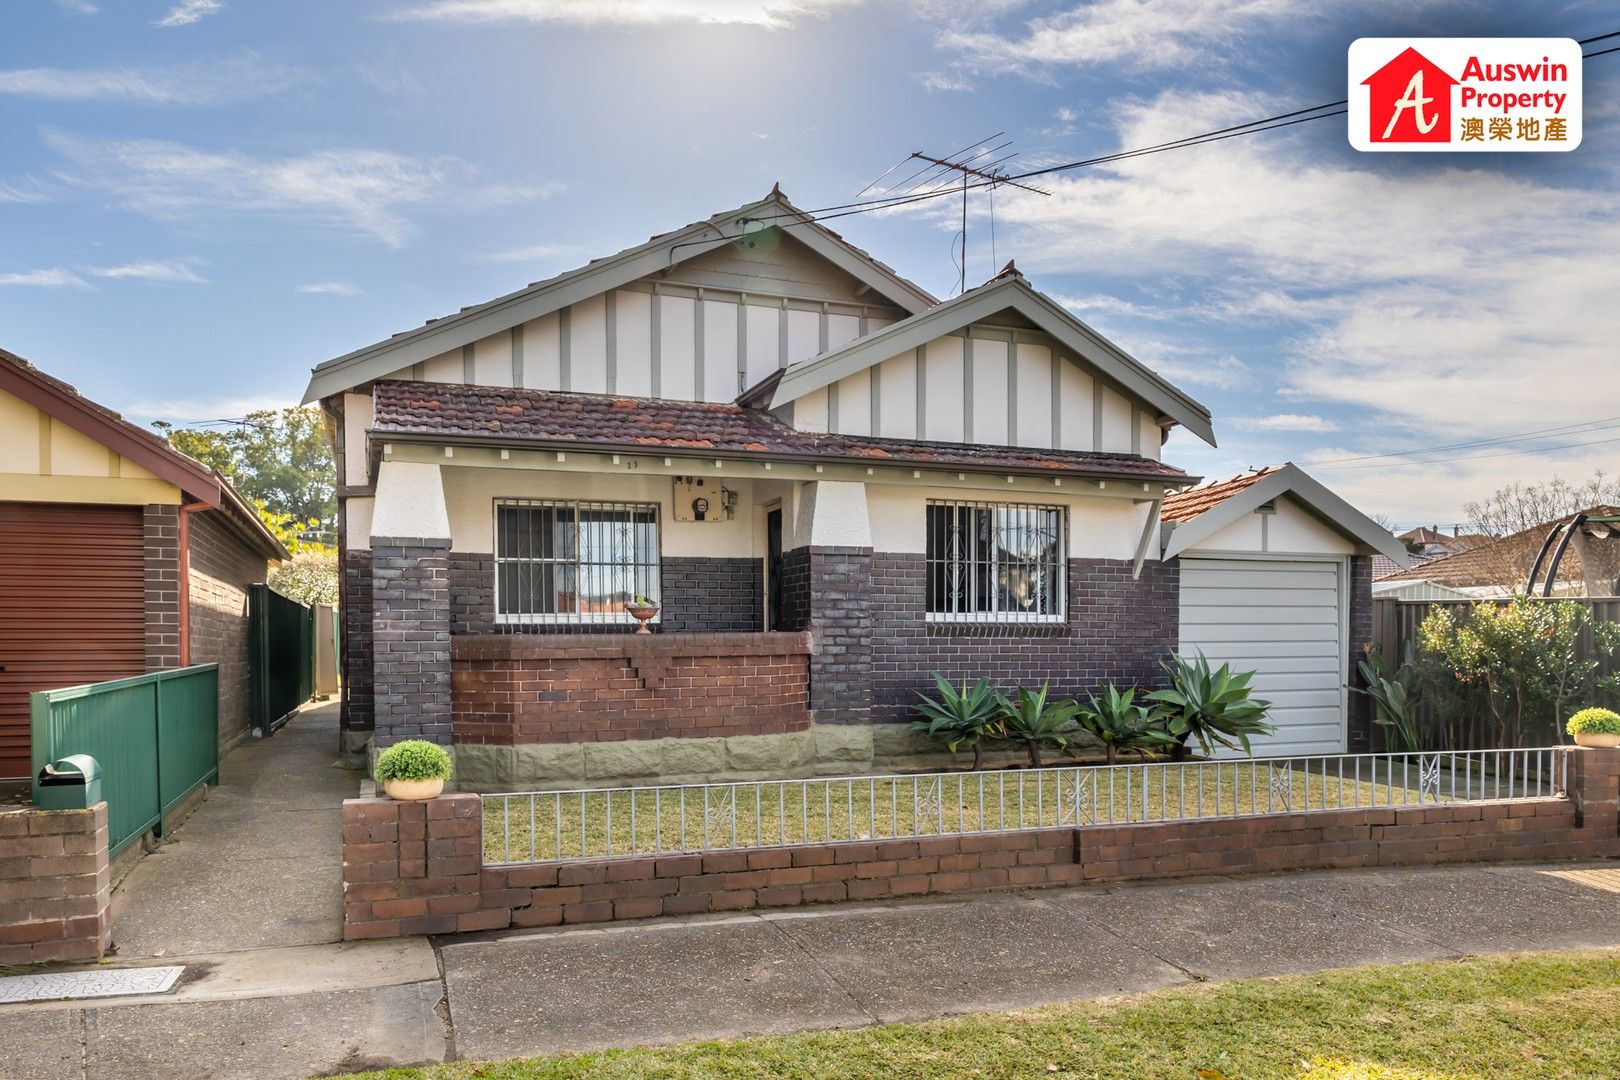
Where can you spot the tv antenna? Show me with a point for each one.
(976, 161)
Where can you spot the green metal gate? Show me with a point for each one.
(156, 738)
(281, 675)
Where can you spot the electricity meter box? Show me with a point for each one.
(700, 498)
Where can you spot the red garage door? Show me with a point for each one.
(72, 607)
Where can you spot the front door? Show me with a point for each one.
(773, 569)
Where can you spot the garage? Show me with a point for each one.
(72, 607)
(1269, 584)
(1286, 621)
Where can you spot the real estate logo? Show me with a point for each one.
(1467, 95)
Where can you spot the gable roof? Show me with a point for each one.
(1195, 515)
(1007, 291)
(658, 254)
(1503, 561)
(63, 403)
(551, 419)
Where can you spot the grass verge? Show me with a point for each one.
(1545, 1016)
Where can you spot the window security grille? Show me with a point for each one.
(995, 562)
(573, 562)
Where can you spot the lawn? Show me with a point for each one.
(561, 825)
(1529, 1017)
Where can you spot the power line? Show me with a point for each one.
(1471, 457)
(1564, 429)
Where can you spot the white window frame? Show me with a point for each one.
(994, 615)
(575, 618)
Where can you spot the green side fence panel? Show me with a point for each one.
(156, 738)
(281, 674)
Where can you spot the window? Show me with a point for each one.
(573, 562)
(995, 562)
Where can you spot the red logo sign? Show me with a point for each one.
(1410, 101)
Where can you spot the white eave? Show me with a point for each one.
(601, 275)
(1006, 293)
(1369, 537)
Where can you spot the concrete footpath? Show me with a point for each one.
(317, 1009)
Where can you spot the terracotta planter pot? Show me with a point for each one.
(413, 790)
(643, 613)
(1592, 738)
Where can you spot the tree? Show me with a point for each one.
(1383, 521)
(1516, 507)
(279, 459)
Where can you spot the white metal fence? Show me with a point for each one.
(542, 826)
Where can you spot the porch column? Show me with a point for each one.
(831, 571)
(410, 604)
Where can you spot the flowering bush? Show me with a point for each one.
(1503, 673)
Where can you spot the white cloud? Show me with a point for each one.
(359, 191)
(195, 410)
(1294, 422)
(629, 13)
(1437, 301)
(536, 253)
(329, 288)
(1138, 35)
(78, 7)
(54, 278)
(187, 12)
(33, 193)
(168, 271)
(940, 82)
(234, 79)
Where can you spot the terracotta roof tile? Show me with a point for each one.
(1186, 505)
(616, 422)
(1506, 561)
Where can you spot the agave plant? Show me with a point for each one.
(1394, 693)
(1028, 718)
(961, 718)
(1214, 707)
(1119, 722)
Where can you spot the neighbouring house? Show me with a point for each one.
(1589, 566)
(1430, 542)
(831, 483)
(122, 556)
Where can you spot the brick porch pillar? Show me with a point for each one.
(829, 574)
(410, 605)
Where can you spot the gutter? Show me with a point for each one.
(642, 450)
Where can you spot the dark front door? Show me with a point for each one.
(773, 569)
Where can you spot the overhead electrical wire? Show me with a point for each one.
(1589, 426)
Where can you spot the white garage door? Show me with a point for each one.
(1284, 620)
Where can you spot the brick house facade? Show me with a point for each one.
(831, 483)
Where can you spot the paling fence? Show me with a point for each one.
(156, 738)
(1396, 622)
(281, 671)
(541, 826)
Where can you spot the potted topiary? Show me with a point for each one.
(1595, 727)
(413, 770)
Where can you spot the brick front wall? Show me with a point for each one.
(841, 626)
(410, 870)
(410, 629)
(54, 885)
(357, 658)
(222, 566)
(161, 529)
(1358, 718)
(511, 689)
(1118, 629)
(700, 595)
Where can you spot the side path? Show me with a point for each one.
(372, 1004)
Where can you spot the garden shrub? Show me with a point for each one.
(1594, 722)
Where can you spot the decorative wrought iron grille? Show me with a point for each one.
(573, 562)
(995, 562)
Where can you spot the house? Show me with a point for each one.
(831, 482)
(1430, 542)
(123, 556)
(1494, 567)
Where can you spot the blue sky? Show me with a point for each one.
(200, 199)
